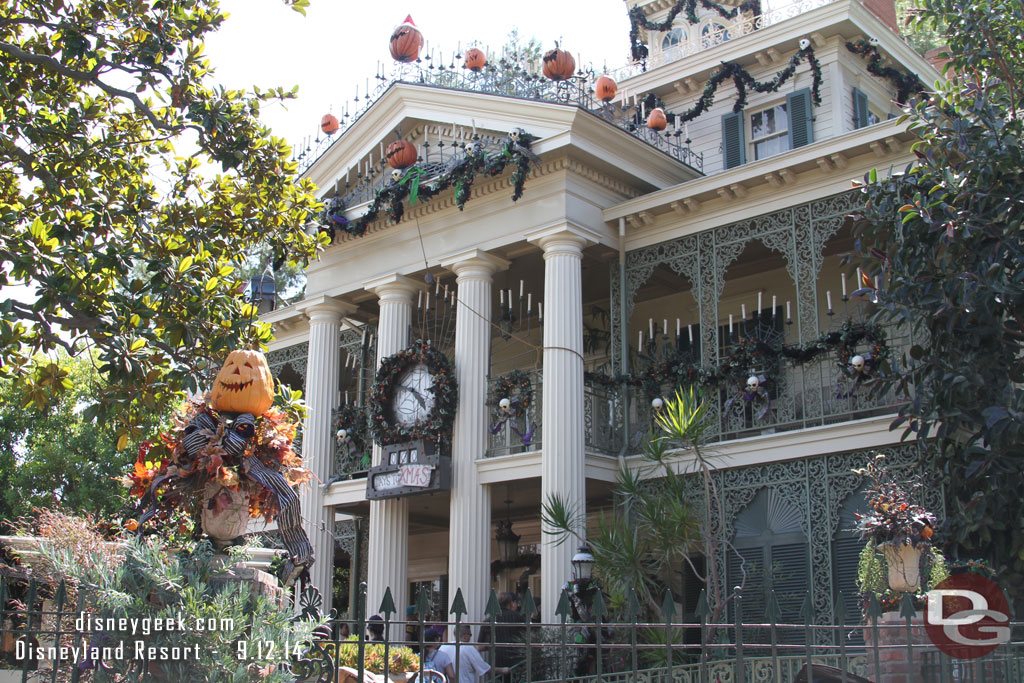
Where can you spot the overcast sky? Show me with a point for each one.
(339, 43)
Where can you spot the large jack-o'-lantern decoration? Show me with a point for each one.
(559, 64)
(406, 42)
(244, 384)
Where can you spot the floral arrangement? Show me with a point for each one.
(893, 518)
(346, 653)
(438, 425)
(871, 579)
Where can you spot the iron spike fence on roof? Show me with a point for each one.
(746, 647)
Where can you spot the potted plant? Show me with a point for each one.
(899, 528)
(403, 663)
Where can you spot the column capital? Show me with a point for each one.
(394, 287)
(563, 238)
(325, 308)
(474, 263)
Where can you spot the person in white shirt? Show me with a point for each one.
(471, 667)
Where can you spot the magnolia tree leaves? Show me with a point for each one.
(132, 190)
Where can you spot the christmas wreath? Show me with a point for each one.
(438, 425)
(517, 388)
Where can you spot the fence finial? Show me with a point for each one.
(387, 605)
(459, 605)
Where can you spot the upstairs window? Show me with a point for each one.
(769, 131)
(713, 33)
(671, 39)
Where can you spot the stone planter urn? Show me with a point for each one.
(904, 561)
(230, 520)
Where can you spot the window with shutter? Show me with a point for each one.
(860, 108)
(845, 558)
(733, 154)
(801, 129)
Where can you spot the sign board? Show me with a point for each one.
(407, 469)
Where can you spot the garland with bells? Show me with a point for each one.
(749, 354)
(415, 186)
(906, 84)
(438, 425)
(638, 19)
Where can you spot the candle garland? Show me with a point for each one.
(751, 354)
(638, 19)
(907, 84)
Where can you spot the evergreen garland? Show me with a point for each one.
(638, 19)
(438, 425)
(750, 354)
(907, 84)
(517, 387)
(413, 185)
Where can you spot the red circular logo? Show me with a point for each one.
(967, 616)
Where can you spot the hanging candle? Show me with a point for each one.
(406, 42)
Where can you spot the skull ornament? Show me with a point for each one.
(505, 404)
(515, 133)
(857, 363)
(753, 382)
(804, 43)
(396, 174)
(657, 403)
(343, 436)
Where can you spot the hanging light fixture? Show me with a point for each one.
(583, 564)
(508, 540)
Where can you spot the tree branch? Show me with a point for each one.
(27, 163)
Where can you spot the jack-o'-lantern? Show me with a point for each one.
(657, 120)
(244, 384)
(406, 42)
(559, 64)
(329, 124)
(605, 88)
(401, 154)
(475, 59)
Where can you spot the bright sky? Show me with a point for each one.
(339, 43)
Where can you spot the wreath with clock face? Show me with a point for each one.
(413, 397)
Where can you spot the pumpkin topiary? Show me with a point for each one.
(475, 59)
(605, 88)
(329, 124)
(401, 154)
(406, 41)
(656, 120)
(244, 384)
(559, 64)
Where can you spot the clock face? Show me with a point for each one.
(413, 395)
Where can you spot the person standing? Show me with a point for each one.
(508, 632)
(468, 663)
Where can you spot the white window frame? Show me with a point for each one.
(677, 31)
(715, 25)
(782, 135)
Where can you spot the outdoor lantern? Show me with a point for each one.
(508, 542)
(657, 403)
(583, 564)
(263, 292)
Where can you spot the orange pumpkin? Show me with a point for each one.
(656, 120)
(244, 384)
(401, 154)
(406, 42)
(475, 59)
(559, 64)
(329, 124)
(605, 88)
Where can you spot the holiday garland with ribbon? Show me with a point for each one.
(638, 19)
(906, 84)
(351, 430)
(748, 355)
(517, 387)
(415, 185)
(438, 425)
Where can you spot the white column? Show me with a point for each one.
(469, 531)
(322, 368)
(562, 461)
(388, 554)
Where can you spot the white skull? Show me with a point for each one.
(396, 174)
(804, 43)
(514, 133)
(343, 436)
(505, 405)
(753, 382)
(857, 363)
(657, 403)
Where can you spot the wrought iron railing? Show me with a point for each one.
(712, 33)
(573, 648)
(519, 430)
(508, 79)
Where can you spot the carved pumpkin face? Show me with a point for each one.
(605, 88)
(558, 64)
(244, 384)
(475, 59)
(406, 42)
(401, 154)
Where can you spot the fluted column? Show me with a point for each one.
(388, 552)
(562, 462)
(322, 368)
(469, 531)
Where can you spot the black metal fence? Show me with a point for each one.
(630, 649)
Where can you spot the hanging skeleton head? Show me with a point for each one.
(343, 436)
(505, 404)
(515, 133)
(804, 43)
(396, 174)
(753, 382)
(657, 403)
(857, 363)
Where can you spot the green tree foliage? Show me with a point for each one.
(947, 241)
(50, 455)
(132, 188)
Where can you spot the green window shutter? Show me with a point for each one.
(801, 130)
(860, 108)
(733, 153)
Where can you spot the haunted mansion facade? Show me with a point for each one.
(570, 266)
